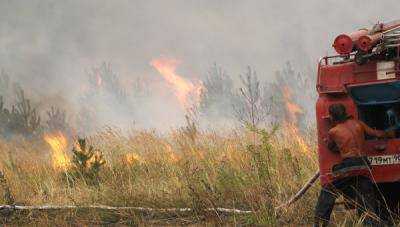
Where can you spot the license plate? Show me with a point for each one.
(384, 160)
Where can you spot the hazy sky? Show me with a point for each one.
(49, 44)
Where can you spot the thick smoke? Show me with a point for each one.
(50, 47)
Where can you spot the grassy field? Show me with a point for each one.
(246, 170)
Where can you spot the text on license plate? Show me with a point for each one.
(384, 159)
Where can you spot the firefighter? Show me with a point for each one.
(347, 138)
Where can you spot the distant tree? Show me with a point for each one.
(104, 80)
(86, 120)
(5, 83)
(104, 98)
(140, 87)
(20, 116)
(295, 88)
(218, 96)
(5, 116)
(24, 117)
(8, 88)
(252, 108)
(57, 120)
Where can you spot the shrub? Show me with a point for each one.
(87, 162)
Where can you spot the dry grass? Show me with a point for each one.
(178, 169)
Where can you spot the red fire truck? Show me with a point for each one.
(365, 77)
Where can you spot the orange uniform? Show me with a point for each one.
(349, 137)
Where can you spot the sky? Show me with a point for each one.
(50, 45)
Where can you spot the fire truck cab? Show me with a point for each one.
(368, 84)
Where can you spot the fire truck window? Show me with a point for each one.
(376, 93)
(382, 117)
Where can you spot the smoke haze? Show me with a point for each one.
(50, 46)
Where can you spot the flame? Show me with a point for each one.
(171, 155)
(58, 144)
(291, 123)
(132, 158)
(298, 139)
(184, 90)
(99, 80)
(292, 109)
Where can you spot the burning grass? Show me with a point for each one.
(147, 169)
(58, 144)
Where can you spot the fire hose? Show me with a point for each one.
(301, 192)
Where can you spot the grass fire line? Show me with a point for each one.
(173, 172)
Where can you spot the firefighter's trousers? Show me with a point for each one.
(358, 190)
